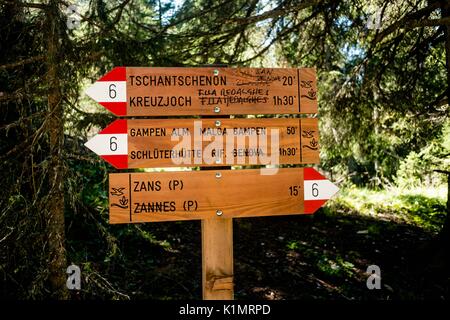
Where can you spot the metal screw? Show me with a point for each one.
(216, 72)
(218, 175)
(218, 123)
(216, 109)
(219, 212)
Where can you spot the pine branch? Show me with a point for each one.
(408, 19)
(21, 62)
(277, 12)
(427, 23)
(27, 5)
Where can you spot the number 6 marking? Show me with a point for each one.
(113, 144)
(112, 91)
(315, 191)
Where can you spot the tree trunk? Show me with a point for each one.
(443, 239)
(55, 131)
(447, 219)
(445, 233)
(446, 14)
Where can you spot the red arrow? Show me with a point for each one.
(156, 91)
(112, 144)
(111, 91)
(261, 195)
(317, 190)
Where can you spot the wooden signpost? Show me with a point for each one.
(214, 196)
(127, 91)
(151, 143)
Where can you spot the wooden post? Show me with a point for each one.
(217, 259)
(217, 253)
(217, 250)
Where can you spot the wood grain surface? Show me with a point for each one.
(190, 195)
(209, 91)
(218, 142)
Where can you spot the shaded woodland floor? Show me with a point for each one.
(324, 256)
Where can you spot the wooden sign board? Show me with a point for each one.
(215, 194)
(150, 143)
(128, 91)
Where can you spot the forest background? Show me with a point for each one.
(384, 85)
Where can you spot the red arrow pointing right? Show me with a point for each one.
(317, 190)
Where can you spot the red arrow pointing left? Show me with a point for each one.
(111, 91)
(112, 144)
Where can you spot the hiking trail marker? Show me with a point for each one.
(133, 91)
(214, 196)
(149, 143)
